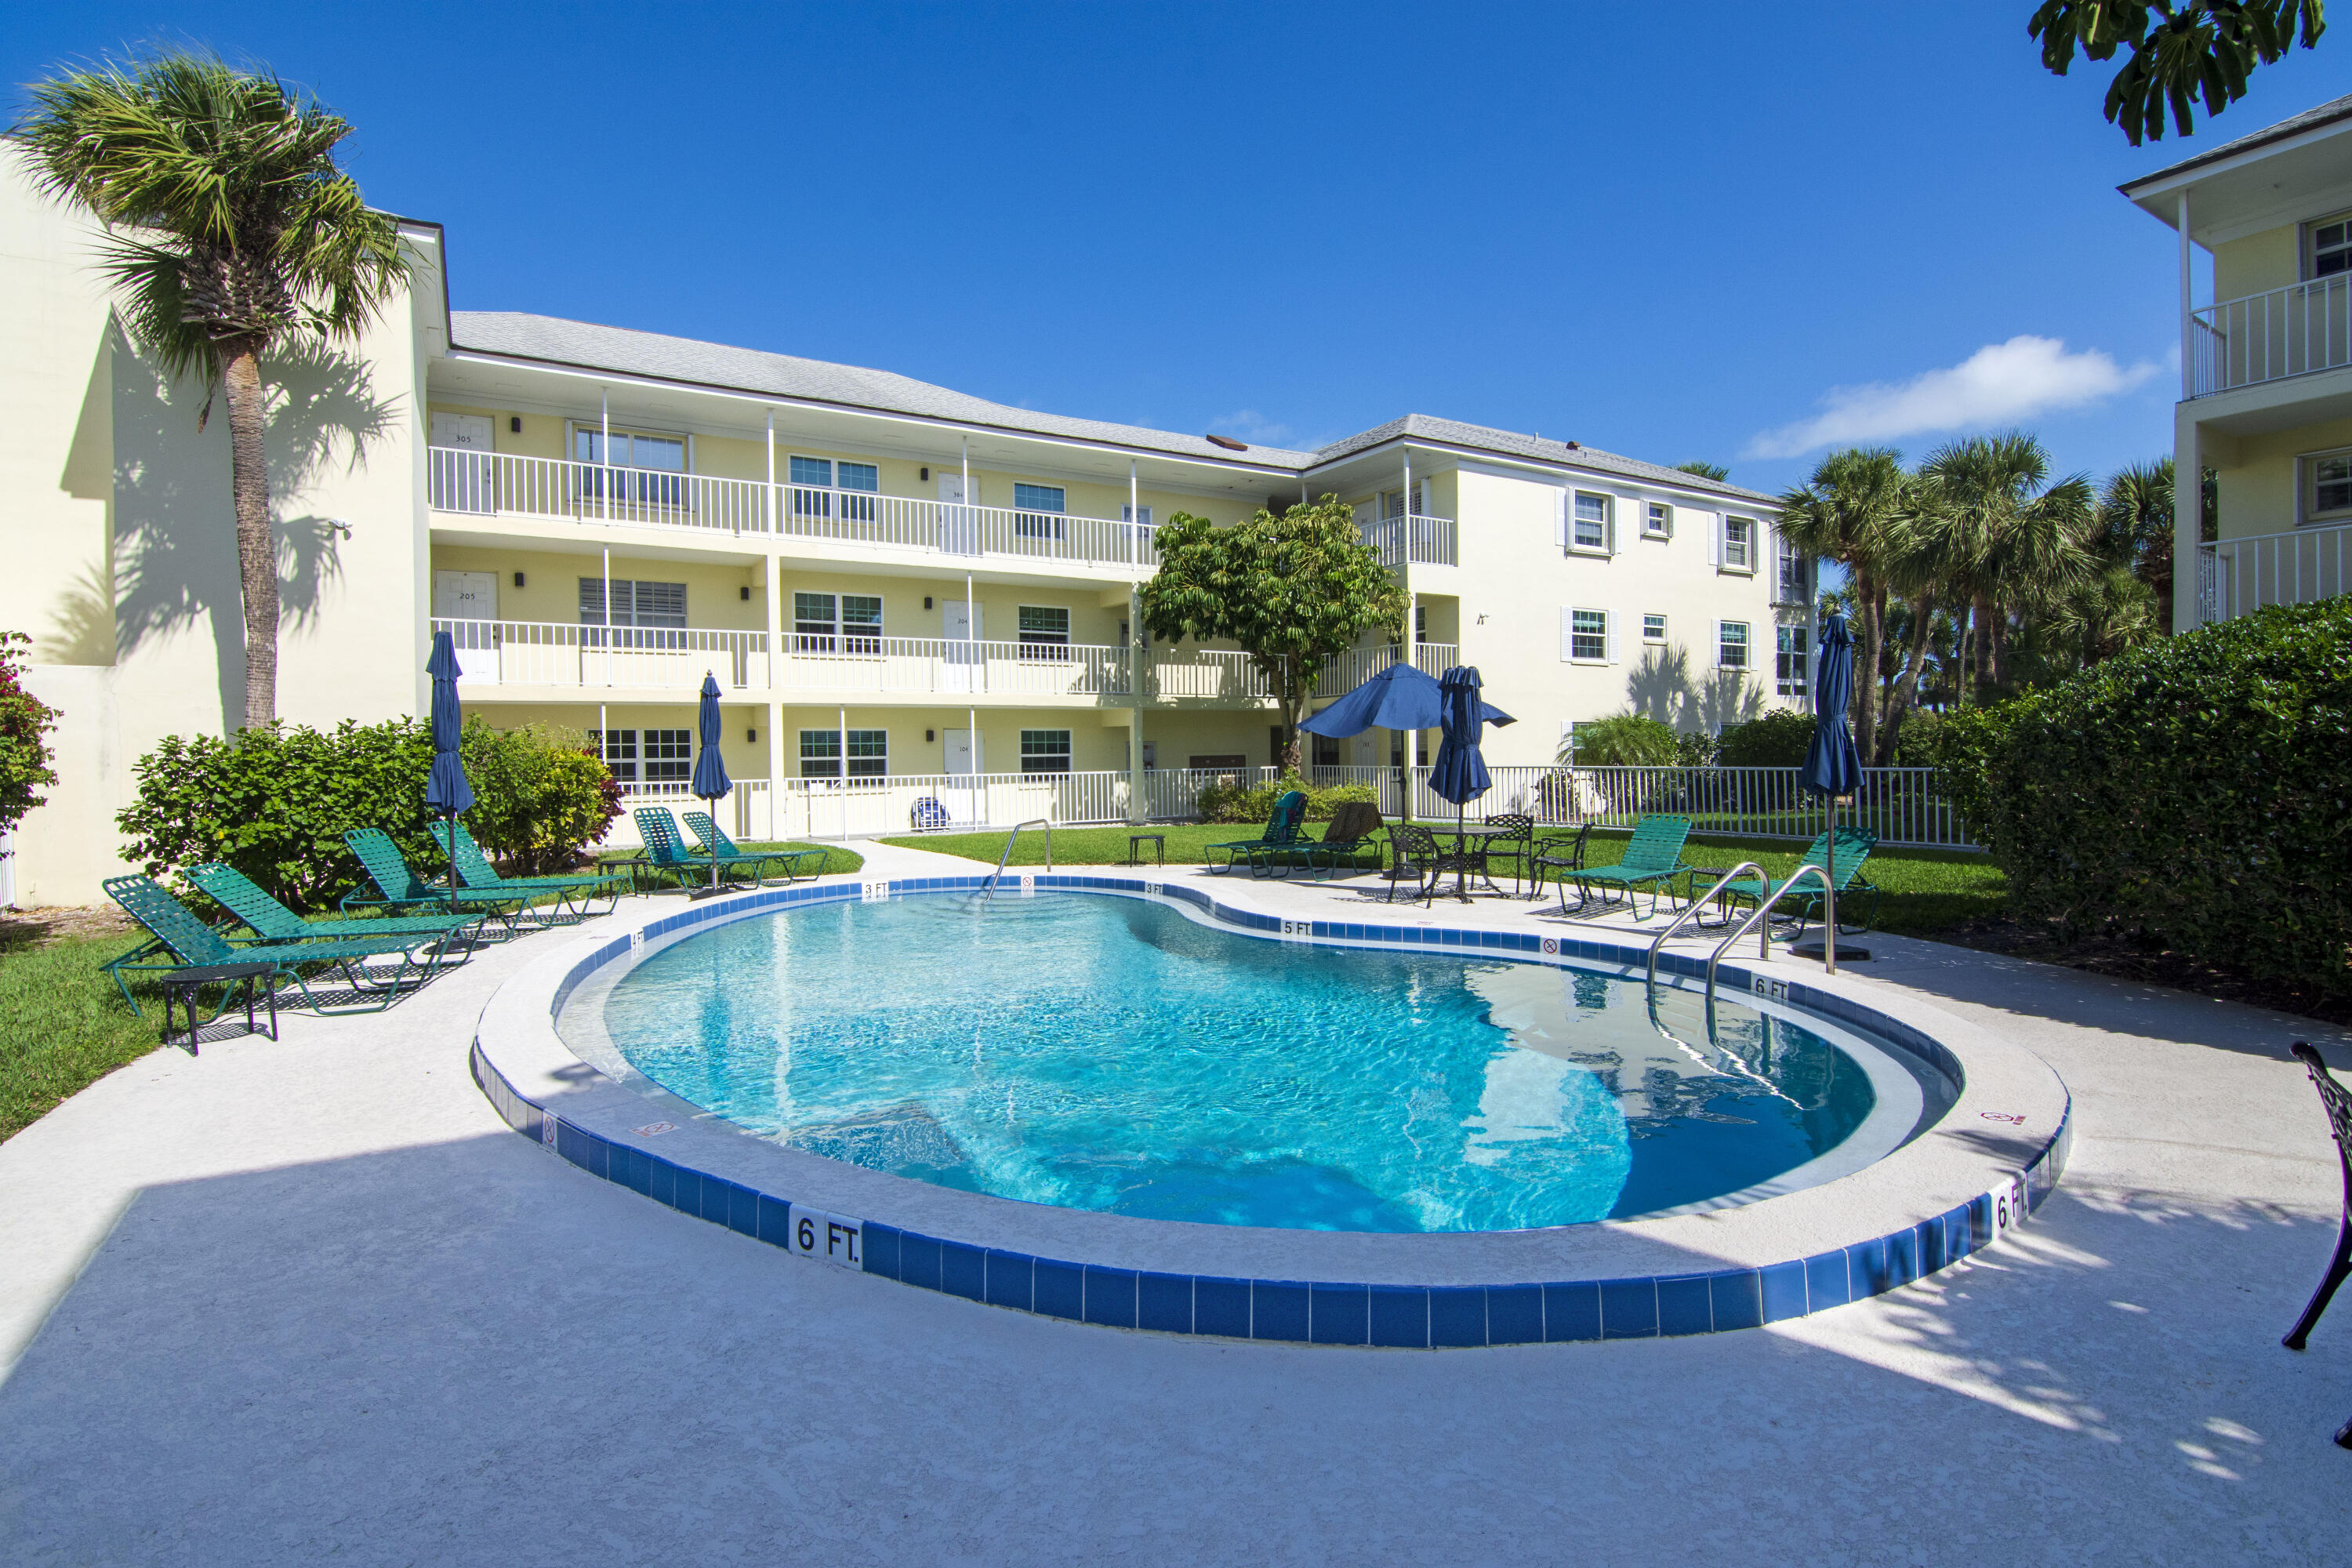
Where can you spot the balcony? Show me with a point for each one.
(1422, 541)
(2294, 330)
(558, 654)
(498, 484)
(1352, 669)
(2239, 575)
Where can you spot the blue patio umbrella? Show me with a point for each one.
(1459, 772)
(711, 780)
(1398, 698)
(1832, 766)
(446, 788)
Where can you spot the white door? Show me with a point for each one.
(962, 667)
(459, 469)
(959, 751)
(959, 524)
(468, 602)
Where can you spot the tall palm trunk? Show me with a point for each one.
(1905, 695)
(1872, 599)
(256, 552)
(1987, 671)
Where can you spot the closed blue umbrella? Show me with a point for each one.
(1459, 773)
(1832, 766)
(446, 788)
(711, 780)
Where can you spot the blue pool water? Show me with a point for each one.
(1109, 1054)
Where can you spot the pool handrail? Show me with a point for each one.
(1764, 948)
(1692, 909)
(997, 875)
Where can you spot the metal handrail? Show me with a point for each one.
(1764, 948)
(1660, 940)
(996, 875)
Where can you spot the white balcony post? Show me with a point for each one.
(2187, 525)
(775, 501)
(607, 635)
(2188, 317)
(774, 566)
(1134, 655)
(605, 490)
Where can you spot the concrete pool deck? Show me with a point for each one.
(310, 1298)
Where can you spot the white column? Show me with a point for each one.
(774, 568)
(2188, 314)
(775, 501)
(608, 633)
(605, 490)
(842, 783)
(775, 768)
(1135, 675)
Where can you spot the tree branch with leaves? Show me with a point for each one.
(1292, 591)
(2178, 51)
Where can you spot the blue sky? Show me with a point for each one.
(1673, 232)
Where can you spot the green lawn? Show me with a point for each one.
(1925, 891)
(839, 859)
(62, 1023)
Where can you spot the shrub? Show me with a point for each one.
(275, 802)
(1778, 739)
(1697, 749)
(2191, 794)
(1235, 802)
(1625, 740)
(25, 724)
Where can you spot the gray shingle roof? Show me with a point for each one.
(2310, 119)
(631, 353)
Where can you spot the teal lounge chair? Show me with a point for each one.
(1653, 858)
(667, 854)
(1853, 847)
(270, 921)
(193, 944)
(398, 887)
(714, 841)
(1281, 833)
(573, 890)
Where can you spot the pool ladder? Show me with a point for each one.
(998, 875)
(1755, 916)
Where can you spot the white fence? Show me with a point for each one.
(1424, 540)
(503, 484)
(1349, 670)
(747, 813)
(2292, 330)
(832, 808)
(558, 653)
(2237, 576)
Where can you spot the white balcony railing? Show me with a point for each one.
(2292, 330)
(556, 653)
(1352, 669)
(499, 484)
(2237, 576)
(1423, 541)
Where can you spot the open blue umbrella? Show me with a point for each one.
(1398, 698)
(711, 780)
(446, 788)
(1832, 766)
(1459, 773)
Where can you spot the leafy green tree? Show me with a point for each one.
(25, 724)
(232, 233)
(1292, 592)
(1857, 510)
(2003, 539)
(2179, 50)
(1714, 471)
(1620, 741)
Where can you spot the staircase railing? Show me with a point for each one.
(996, 875)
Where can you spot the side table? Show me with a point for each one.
(1135, 851)
(180, 987)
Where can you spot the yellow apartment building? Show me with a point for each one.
(919, 604)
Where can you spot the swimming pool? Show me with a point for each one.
(1114, 1056)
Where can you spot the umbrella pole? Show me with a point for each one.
(1829, 897)
(450, 823)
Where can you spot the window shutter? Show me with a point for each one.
(1717, 657)
(1609, 628)
(1567, 632)
(1423, 509)
(1715, 539)
(1559, 508)
(1609, 528)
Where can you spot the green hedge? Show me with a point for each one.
(2196, 794)
(1778, 740)
(1254, 803)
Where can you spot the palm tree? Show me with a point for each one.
(231, 232)
(1853, 510)
(2136, 526)
(2002, 539)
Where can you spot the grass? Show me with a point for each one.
(838, 859)
(62, 1023)
(1925, 891)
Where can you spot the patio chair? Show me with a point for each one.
(1355, 827)
(1853, 847)
(573, 890)
(398, 887)
(193, 944)
(2336, 1101)
(1280, 833)
(1653, 858)
(270, 921)
(1419, 855)
(1550, 857)
(1520, 849)
(714, 841)
(668, 856)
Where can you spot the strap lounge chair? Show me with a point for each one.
(398, 887)
(573, 890)
(270, 921)
(193, 944)
(1281, 833)
(668, 856)
(1653, 858)
(1853, 847)
(714, 841)
(1355, 829)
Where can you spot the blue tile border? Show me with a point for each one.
(1294, 1311)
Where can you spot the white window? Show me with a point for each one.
(646, 756)
(1793, 584)
(1588, 525)
(1731, 644)
(2326, 485)
(653, 463)
(823, 489)
(1140, 516)
(1658, 520)
(1038, 511)
(2330, 246)
(837, 623)
(619, 749)
(654, 613)
(1739, 544)
(1044, 632)
(1792, 669)
(821, 754)
(1654, 628)
(1585, 636)
(1044, 751)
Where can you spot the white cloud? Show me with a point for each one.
(1998, 384)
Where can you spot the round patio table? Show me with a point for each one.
(1463, 853)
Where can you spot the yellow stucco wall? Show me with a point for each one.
(2258, 262)
(2257, 483)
